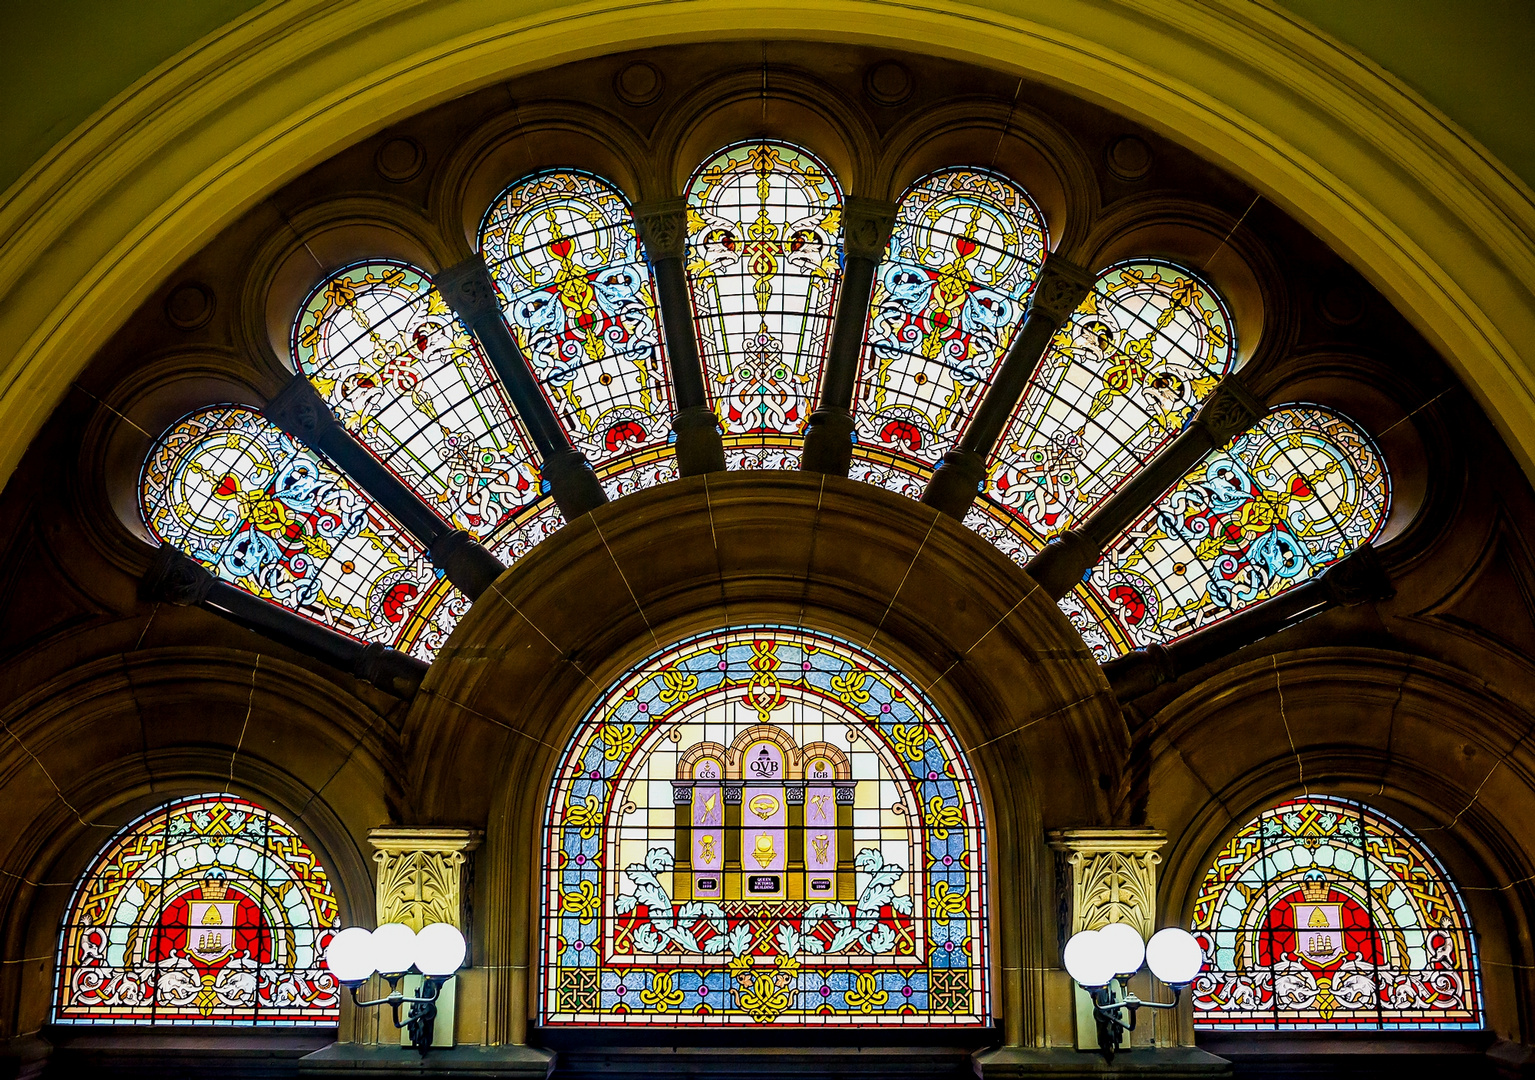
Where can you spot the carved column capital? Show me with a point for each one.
(468, 290)
(663, 228)
(866, 226)
(1229, 411)
(299, 410)
(1358, 578)
(421, 878)
(1110, 875)
(172, 578)
(1061, 288)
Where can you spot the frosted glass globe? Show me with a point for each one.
(1174, 956)
(439, 949)
(394, 948)
(350, 955)
(1125, 947)
(1087, 959)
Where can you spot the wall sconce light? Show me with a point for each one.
(1102, 962)
(394, 950)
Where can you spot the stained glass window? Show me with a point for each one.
(1322, 913)
(400, 372)
(207, 910)
(948, 297)
(764, 826)
(1298, 490)
(1119, 381)
(763, 259)
(562, 248)
(264, 512)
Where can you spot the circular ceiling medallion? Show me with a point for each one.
(638, 83)
(1340, 304)
(189, 305)
(399, 160)
(888, 82)
(1129, 158)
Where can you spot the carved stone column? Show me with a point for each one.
(866, 227)
(1106, 876)
(663, 228)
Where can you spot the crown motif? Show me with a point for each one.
(1315, 887)
(215, 885)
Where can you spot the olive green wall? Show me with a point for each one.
(60, 62)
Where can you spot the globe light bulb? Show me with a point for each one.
(1124, 946)
(1087, 960)
(394, 948)
(439, 949)
(1174, 956)
(349, 955)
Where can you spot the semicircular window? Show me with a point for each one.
(1119, 381)
(1322, 913)
(764, 264)
(764, 826)
(948, 297)
(1300, 489)
(262, 511)
(577, 294)
(206, 910)
(381, 346)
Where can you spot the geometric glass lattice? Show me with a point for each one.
(207, 910)
(948, 297)
(1325, 914)
(1298, 490)
(262, 511)
(764, 826)
(1119, 381)
(576, 292)
(400, 372)
(763, 261)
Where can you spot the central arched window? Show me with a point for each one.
(764, 231)
(764, 826)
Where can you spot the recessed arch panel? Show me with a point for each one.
(1322, 913)
(208, 910)
(765, 826)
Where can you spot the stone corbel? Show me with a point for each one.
(1108, 876)
(422, 874)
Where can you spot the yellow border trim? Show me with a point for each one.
(1427, 214)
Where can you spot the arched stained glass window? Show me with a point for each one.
(764, 826)
(1322, 913)
(1298, 490)
(763, 259)
(948, 297)
(207, 910)
(400, 372)
(261, 510)
(1120, 380)
(562, 248)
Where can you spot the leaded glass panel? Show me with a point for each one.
(1325, 914)
(948, 297)
(1298, 490)
(562, 248)
(1119, 381)
(264, 512)
(401, 373)
(763, 261)
(764, 826)
(207, 910)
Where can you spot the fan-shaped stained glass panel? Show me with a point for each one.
(400, 372)
(1119, 381)
(1298, 490)
(948, 297)
(763, 260)
(764, 826)
(264, 512)
(1322, 913)
(207, 910)
(562, 248)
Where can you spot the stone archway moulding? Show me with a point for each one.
(1435, 222)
